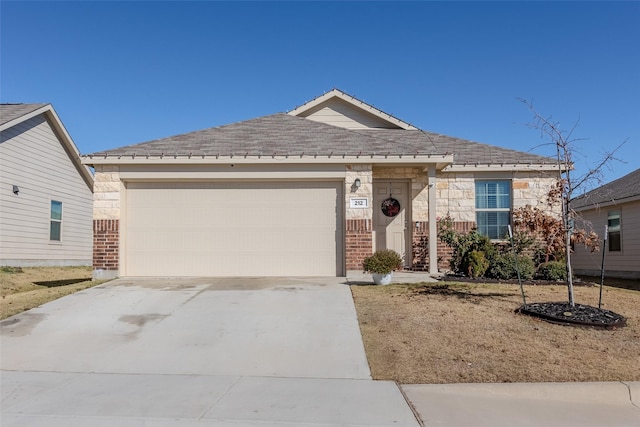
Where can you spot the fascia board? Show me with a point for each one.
(596, 206)
(404, 160)
(502, 167)
(70, 146)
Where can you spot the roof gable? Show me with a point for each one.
(14, 114)
(337, 108)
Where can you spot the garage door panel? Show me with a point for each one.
(231, 229)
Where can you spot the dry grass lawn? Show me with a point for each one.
(28, 287)
(435, 333)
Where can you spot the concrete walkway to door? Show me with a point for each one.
(195, 352)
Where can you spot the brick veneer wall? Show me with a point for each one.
(358, 242)
(421, 245)
(106, 241)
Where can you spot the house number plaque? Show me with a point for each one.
(359, 203)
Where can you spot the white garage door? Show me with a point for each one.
(233, 229)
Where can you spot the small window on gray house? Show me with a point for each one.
(493, 208)
(613, 222)
(56, 221)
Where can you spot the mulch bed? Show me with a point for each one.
(576, 315)
(557, 312)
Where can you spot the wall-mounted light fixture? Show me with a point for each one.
(357, 183)
(16, 189)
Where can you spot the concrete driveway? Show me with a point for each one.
(214, 352)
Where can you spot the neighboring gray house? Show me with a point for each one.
(311, 192)
(46, 193)
(617, 205)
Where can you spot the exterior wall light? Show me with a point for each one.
(357, 183)
(16, 189)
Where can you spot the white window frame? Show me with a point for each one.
(482, 228)
(53, 220)
(614, 229)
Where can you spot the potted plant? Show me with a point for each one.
(381, 265)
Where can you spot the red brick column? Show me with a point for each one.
(106, 242)
(359, 242)
(420, 246)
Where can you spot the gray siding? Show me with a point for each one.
(625, 263)
(33, 158)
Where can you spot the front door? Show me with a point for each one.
(391, 213)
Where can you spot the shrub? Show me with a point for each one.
(477, 264)
(463, 244)
(503, 266)
(552, 270)
(382, 262)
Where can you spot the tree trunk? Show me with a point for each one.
(567, 245)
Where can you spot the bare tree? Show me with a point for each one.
(564, 143)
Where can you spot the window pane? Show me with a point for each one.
(54, 232)
(481, 195)
(501, 228)
(493, 195)
(613, 221)
(56, 210)
(493, 224)
(614, 241)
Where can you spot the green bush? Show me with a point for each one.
(477, 264)
(552, 270)
(503, 267)
(382, 262)
(462, 260)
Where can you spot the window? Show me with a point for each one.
(56, 221)
(493, 208)
(613, 222)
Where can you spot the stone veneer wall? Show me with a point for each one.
(106, 222)
(455, 192)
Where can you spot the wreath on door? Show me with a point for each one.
(390, 207)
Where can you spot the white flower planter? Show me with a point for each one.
(382, 279)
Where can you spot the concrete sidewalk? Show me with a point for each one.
(45, 399)
(610, 404)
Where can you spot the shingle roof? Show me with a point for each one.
(618, 191)
(464, 151)
(9, 112)
(284, 134)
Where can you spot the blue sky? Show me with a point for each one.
(120, 73)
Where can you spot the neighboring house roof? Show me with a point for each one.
(14, 114)
(622, 190)
(293, 136)
(11, 112)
